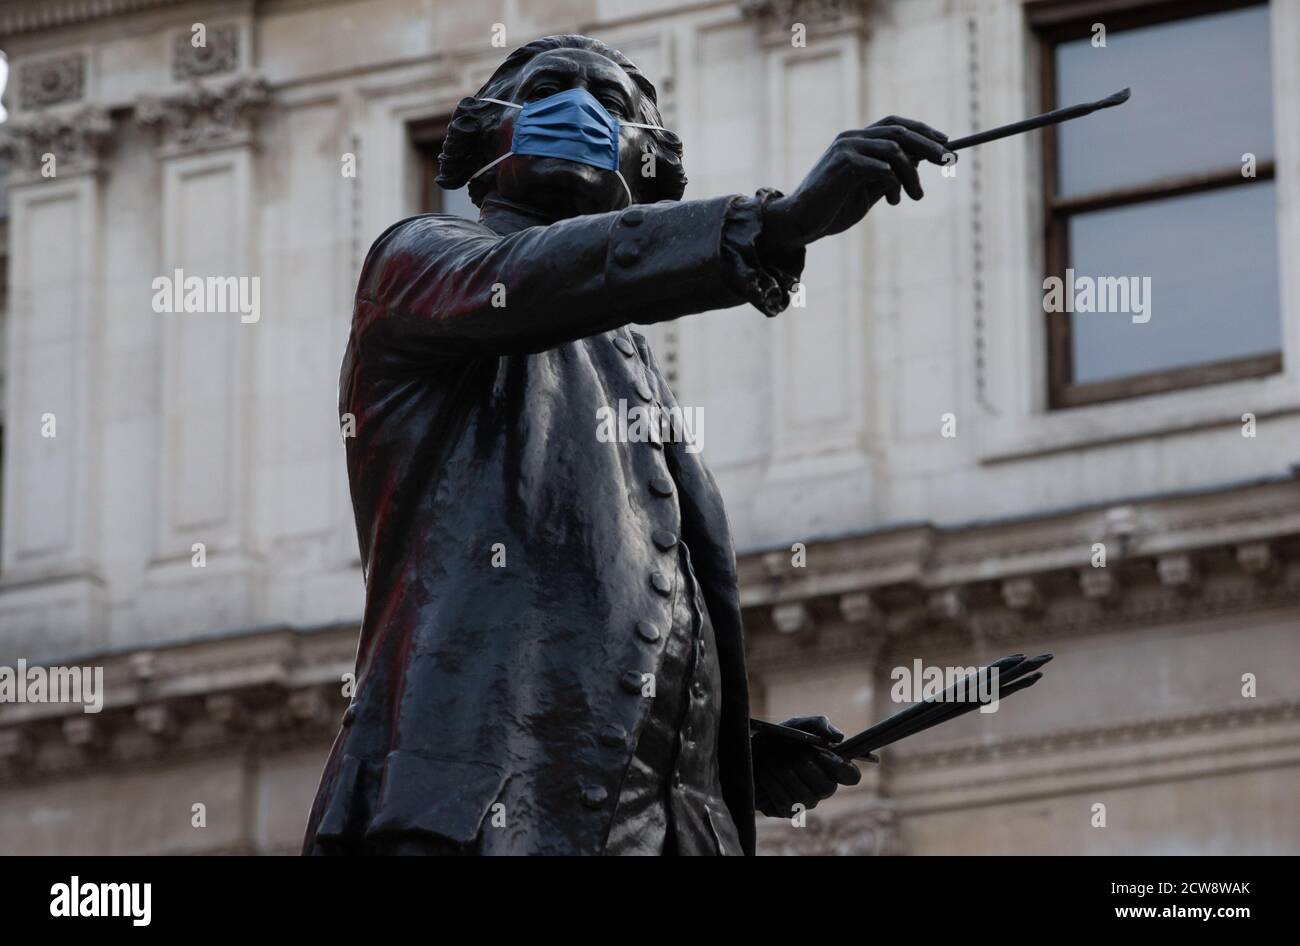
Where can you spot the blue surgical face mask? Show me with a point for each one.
(571, 125)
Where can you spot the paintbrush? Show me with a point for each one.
(884, 732)
(1014, 675)
(1054, 117)
(951, 712)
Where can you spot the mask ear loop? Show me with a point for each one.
(489, 165)
(621, 179)
(626, 189)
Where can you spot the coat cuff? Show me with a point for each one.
(764, 279)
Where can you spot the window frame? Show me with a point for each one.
(1058, 21)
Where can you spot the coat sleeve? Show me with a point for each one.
(437, 287)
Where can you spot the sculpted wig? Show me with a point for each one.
(471, 137)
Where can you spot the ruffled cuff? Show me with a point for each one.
(765, 279)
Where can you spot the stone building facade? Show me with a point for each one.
(908, 474)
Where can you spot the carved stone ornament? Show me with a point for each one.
(203, 117)
(75, 142)
(218, 54)
(51, 81)
(784, 13)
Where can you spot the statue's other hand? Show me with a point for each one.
(860, 166)
(788, 773)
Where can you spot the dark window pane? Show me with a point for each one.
(1202, 96)
(1212, 259)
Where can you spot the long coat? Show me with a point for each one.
(508, 551)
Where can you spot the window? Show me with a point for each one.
(1172, 192)
(426, 138)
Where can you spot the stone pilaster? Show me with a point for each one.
(206, 151)
(51, 557)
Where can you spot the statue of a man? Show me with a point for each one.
(551, 657)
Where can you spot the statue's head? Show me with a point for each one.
(482, 131)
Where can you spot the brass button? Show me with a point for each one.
(624, 345)
(647, 631)
(643, 392)
(593, 796)
(631, 681)
(613, 736)
(663, 539)
(661, 486)
(661, 583)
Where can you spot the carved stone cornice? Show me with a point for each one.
(871, 830)
(283, 687)
(1131, 606)
(51, 81)
(28, 16)
(1186, 557)
(804, 11)
(76, 141)
(269, 690)
(777, 18)
(204, 117)
(1066, 742)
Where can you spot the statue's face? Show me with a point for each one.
(568, 188)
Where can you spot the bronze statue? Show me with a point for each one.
(551, 657)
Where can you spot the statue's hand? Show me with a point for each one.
(788, 773)
(861, 166)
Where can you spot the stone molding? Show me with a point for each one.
(865, 603)
(1221, 719)
(204, 117)
(77, 140)
(787, 12)
(870, 830)
(277, 688)
(821, 18)
(1218, 552)
(28, 16)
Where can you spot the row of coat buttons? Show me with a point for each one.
(643, 391)
(615, 736)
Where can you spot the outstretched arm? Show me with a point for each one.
(435, 287)
(438, 287)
